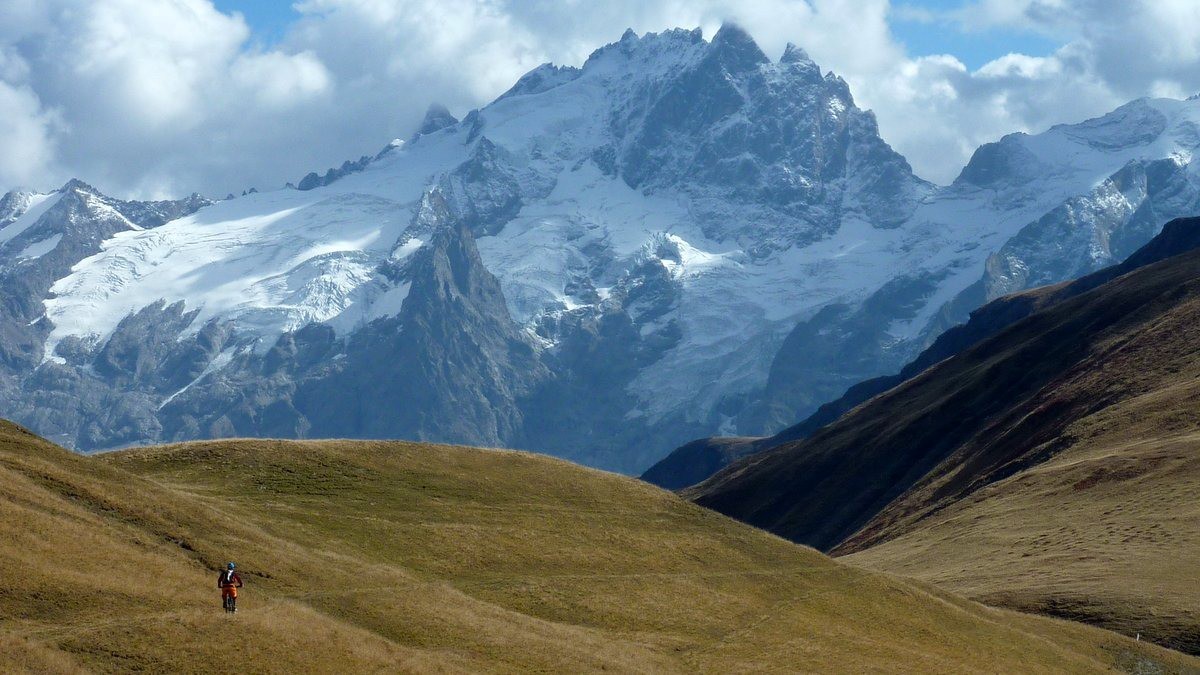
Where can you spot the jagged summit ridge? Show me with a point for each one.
(437, 117)
(794, 54)
(687, 238)
(1058, 205)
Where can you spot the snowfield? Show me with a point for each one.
(604, 181)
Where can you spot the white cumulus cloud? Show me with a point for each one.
(155, 97)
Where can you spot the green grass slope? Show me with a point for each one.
(385, 557)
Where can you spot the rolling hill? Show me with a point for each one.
(1054, 466)
(378, 556)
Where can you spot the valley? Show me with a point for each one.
(1051, 466)
(881, 424)
(413, 557)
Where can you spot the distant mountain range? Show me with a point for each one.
(679, 239)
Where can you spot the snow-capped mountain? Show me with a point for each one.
(681, 237)
(42, 235)
(1026, 211)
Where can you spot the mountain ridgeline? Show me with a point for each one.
(1049, 463)
(680, 238)
(694, 462)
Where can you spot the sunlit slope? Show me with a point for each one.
(1054, 466)
(1101, 520)
(365, 557)
(1108, 531)
(1105, 534)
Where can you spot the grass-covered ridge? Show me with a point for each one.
(1051, 467)
(368, 556)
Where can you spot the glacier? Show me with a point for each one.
(680, 237)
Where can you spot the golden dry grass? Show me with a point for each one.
(1107, 532)
(384, 557)
(1054, 467)
(1108, 529)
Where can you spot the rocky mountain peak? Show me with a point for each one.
(14, 203)
(994, 163)
(637, 58)
(543, 78)
(794, 54)
(450, 262)
(796, 64)
(76, 184)
(736, 49)
(1141, 129)
(315, 180)
(645, 231)
(839, 87)
(437, 117)
(1137, 123)
(780, 139)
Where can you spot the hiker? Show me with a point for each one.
(229, 581)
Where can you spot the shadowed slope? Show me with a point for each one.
(696, 461)
(1061, 444)
(398, 556)
(693, 462)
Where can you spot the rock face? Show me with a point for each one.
(696, 461)
(436, 119)
(451, 365)
(42, 236)
(1070, 201)
(314, 180)
(680, 238)
(995, 396)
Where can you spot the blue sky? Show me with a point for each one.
(936, 34)
(267, 18)
(944, 36)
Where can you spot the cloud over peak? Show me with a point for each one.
(154, 97)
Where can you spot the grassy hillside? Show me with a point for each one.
(376, 557)
(1054, 466)
(1105, 534)
(1108, 529)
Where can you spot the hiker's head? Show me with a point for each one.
(230, 567)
